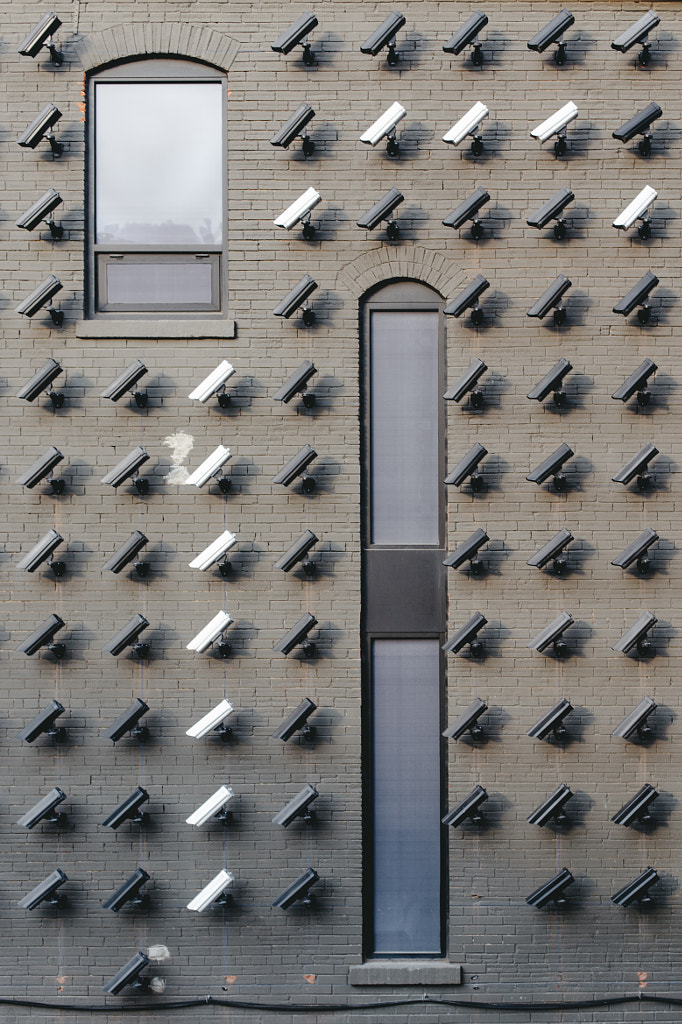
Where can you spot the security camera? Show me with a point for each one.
(298, 891)
(300, 210)
(384, 128)
(130, 892)
(45, 892)
(636, 891)
(210, 633)
(551, 210)
(129, 810)
(639, 125)
(637, 296)
(128, 722)
(127, 468)
(211, 467)
(467, 125)
(469, 807)
(126, 553)
(467, 383)
(297, 635)
(468, 299)
(297, 721)
(551, 466)
(468, 722)
(556, 125)
(551, 299)
(41, 295)
(468, 552)
(44, 723)
(551, 552)
(635, 724)
(466, 467)
(552, 381)
(296, 384)
(295, 298)
(294, 128)
(637, 550)
(382, 211)
(45, 811)
(552, 722)
(41, 128)
(40, 211)
(552, 634)
(296, 33)
(215, 551)
(41, 36)
(552, 891)
(125, 381)
(43, 637)
(638, 467)
(467, 210)
(129, 975)
(385, 36)
(466, 35)
(552, 33)
(212, 809)
(297, 807)
(636, 810)
(41, 468)
(467, 634)
(636, 211)
(295, 467)
(213, 894)
(127, 637)
(636, 636)
(297, 552)
(638, 33)
(637, 382)
(41, 551)
(40, 381)
(214, 721)
(214, 384)
(552, 809)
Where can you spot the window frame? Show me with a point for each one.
(157, 70)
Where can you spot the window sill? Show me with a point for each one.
(187, 329)
(405, 972)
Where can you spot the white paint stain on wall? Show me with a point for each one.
(180, 445)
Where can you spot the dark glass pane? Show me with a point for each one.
(404, 408)
(406, 797)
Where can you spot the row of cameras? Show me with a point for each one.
(384, 37)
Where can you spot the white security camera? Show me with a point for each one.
(212, 808)
(219, 547)
(212, 893)
(213, 383)
(210, 633)
(214, 719)
(210, 466)
(636, 210)
(556, 125)
(300, 210)
(467, 125)
(384, 127)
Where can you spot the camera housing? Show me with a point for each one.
(383, 36)
(636, 891)
(298, 891)
(294, 127)
(467, 210)
(210, 633)
(467, 384)
(298, 807)
(213, 894)
(636, 210)
(551, 299)
(551, 466)
(466, 467)
(552, 552)
(126, 380)
(298, 635)
(296, 384)
(551, 210)
(215, 551)
(213, 809)
(467, 125)
(127, 637)
(468, 299)
(127, 468)
(468, 552)
(297, 721)
(468, 722)
(211, 467)
(45, 811)
(129, 975)
(467, 634)
(638, 466)
(45, 892)
(556, 124)
(636, 810)
(552, 33)
(637, 33)
(640, 124)
(130, 892)
(636, 636)
(295, 467)
(41, 128)
(44, 723)
(296, 33)
(468, 808)
(382, 210)
(551, 725)
(40, 381)
(635, 724)
(552, 891)
(552, 809)
(295, 298)
(41, 551)
(297, 552)
(384, 128)
(637, 382)
(552, 634)
(637, 551)
(552, 381)
(637, 296)
(129, 810)
(212, 721)
(214, 384)
(41, 468)
(41, 36)
(43, 637)
(126, 553)
(128, 722)
(466, 36)
(300, 210)
(39, 297)
(40, 211)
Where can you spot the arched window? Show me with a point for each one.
(156, 188)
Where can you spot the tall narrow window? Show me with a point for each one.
(403, 622)
(156, 188)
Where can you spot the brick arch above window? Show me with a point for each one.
(380, 266)
(170, 39)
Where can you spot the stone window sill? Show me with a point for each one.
(405, 972)
(187, 329)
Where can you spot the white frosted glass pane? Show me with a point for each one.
(159, 284)
(159, 157)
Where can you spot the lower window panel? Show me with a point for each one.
(144, 282)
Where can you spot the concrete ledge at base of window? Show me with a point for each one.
(189, 329)
(405, 972)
